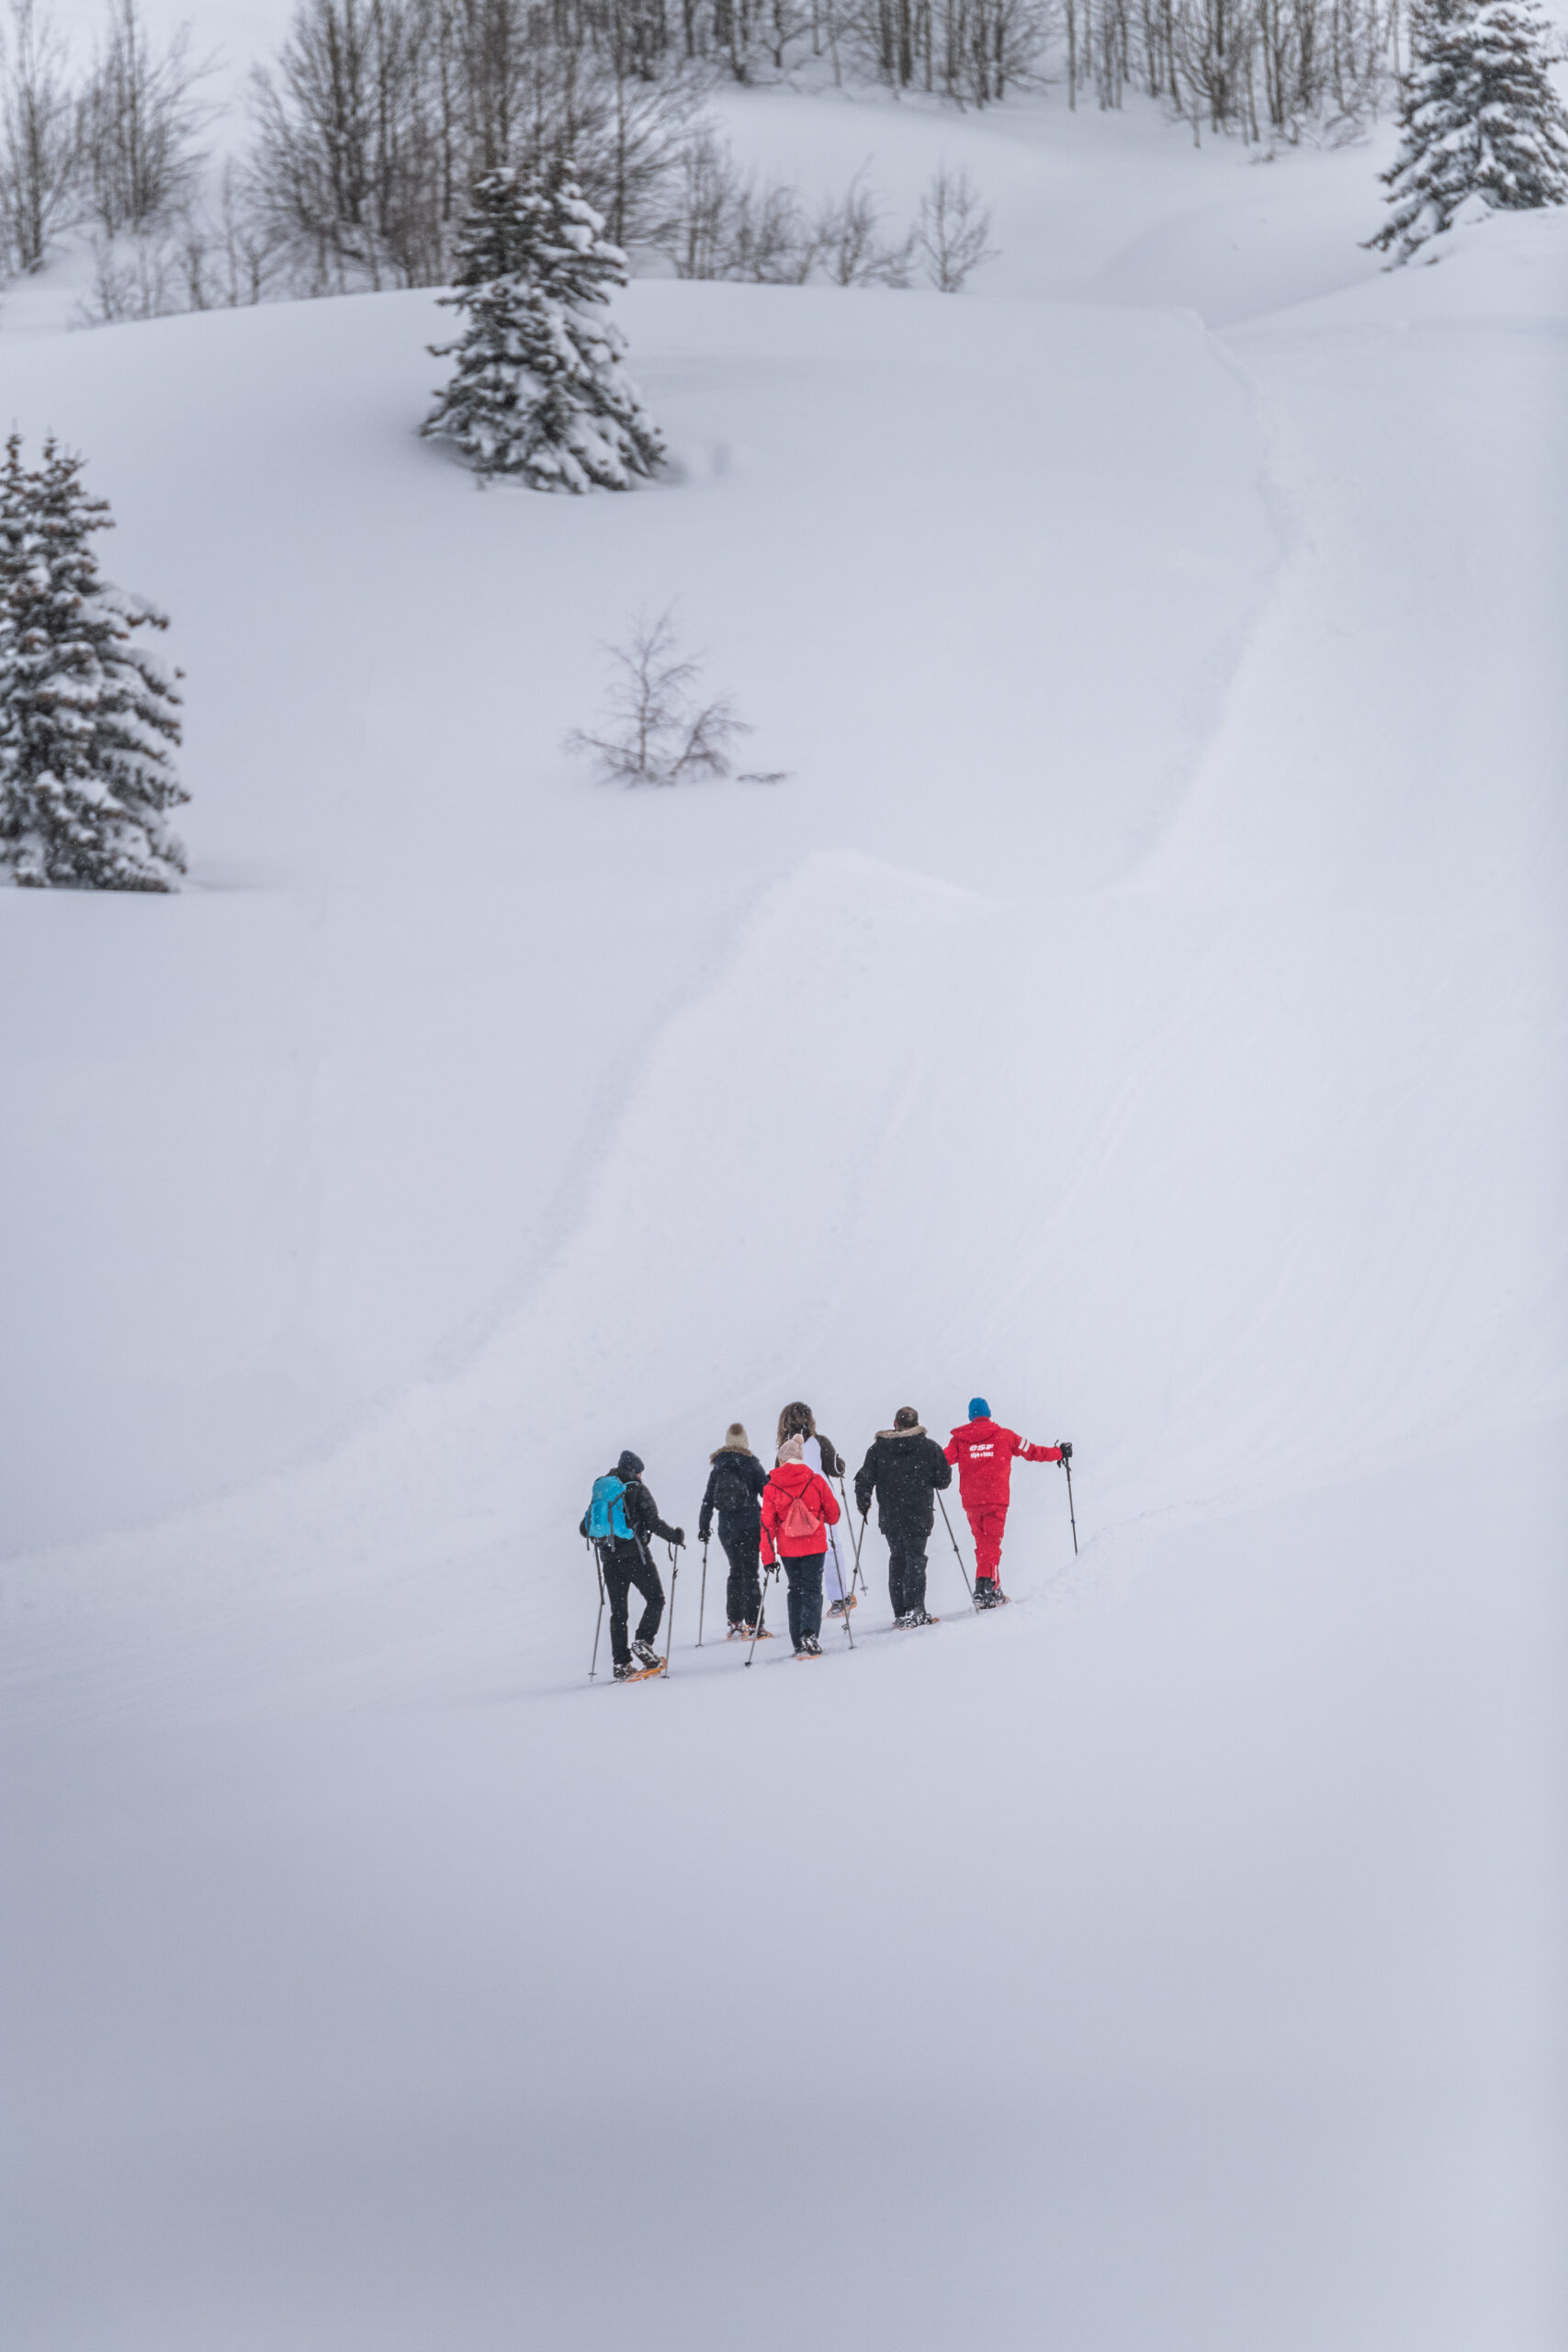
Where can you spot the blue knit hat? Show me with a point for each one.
(978, 1409)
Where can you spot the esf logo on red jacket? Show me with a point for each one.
(985, 1452)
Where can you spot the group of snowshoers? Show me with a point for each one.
(789, 1518)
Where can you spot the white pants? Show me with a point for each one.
(838, 1573)
(838, 1567)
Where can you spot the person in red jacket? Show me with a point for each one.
(985, 1453)
(798, 1508)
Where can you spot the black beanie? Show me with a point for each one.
(631, 1464)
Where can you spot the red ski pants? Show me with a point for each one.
(985, 1526)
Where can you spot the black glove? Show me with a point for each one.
(1065, 1451)
(679, 1538)
(704, 1534)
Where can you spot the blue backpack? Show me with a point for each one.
(607, 1512)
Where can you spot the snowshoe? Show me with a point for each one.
(757, 1632)
(920, 1617)
(841, 1607)
(647, 1653)
(988, 1593)
(809, 1646)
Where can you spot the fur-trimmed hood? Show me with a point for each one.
(902, 1469)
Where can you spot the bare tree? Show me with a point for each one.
(724, 223)
(951, 233)
(202, 259)
(38, 137)
(845, 241)
(381, 115)
(349, 165)
(140, 121)
(624, 132)
(135, 275)
(657, 729)
(254, 250)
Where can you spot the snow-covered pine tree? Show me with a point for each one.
(88, 718)
(1480, 119)
(540, 392)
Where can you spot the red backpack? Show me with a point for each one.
(800, 1521)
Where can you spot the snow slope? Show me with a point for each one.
(1140, 1005)
(383, 817)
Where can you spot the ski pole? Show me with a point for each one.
(599, 1571)
(1066, 1452)
(857, 1570)
(702, 1598)
(674, 1580)
(762, 1612)
(959, 1557)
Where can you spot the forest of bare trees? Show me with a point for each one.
(1262, 69)
(366, 133)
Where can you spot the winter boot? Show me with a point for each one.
(809, 1646)
(626, 1672)
(988, 1593)
(649, 1655)
(918, 1617)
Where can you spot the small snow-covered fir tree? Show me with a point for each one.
(540, 393)
(87, 716)
(1480, 119)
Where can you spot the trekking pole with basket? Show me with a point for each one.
(958, 1556)
(850, 1601)
(701, 1597)
(674, 1580)
(598, 1621)
(762, 1612)
(854, 1538)
(1066, 1453)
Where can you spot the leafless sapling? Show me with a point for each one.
(845, 244)
(951, 233)
(657, 729)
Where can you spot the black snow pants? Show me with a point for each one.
(906, 1570)
(624, 1566)
(805, 1595)
(742, 1542)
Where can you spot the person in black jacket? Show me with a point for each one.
(624, 1561)
(735, 1490)
(904, 1469)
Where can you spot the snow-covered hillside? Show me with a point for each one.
(1139, 1003)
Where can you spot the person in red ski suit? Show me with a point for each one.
(984, 1453)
